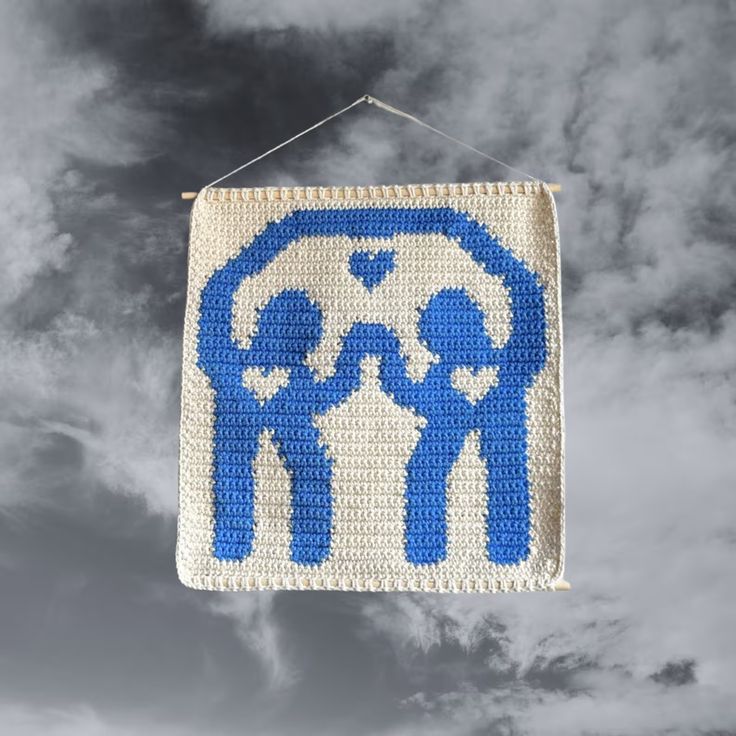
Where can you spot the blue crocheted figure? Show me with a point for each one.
(288, 328)
(452, 328)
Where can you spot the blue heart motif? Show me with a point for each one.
(371, 268)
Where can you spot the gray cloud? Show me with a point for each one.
(228, 16)
(51, 111)
(676, 673)
(73, 722)
(109, 113)
(66, 315)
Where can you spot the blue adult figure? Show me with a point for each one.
(289, 326)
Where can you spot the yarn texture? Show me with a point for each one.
(371, 390)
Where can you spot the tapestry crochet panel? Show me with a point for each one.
(371, 390)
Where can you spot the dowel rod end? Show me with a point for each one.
(562, 585)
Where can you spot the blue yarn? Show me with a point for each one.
(371, 268)
(451, 326)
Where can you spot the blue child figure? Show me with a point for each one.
(289, 326)
(452, 328)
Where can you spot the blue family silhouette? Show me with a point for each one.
(451, 327)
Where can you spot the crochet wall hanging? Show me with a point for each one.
(371, 391)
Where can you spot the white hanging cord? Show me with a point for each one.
(388, 108)
(373, 101)
(286, 143)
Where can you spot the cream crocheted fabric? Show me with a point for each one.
(371, 391)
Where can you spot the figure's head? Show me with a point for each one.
(452, 327)
(289, 326)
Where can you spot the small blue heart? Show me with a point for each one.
(371, 268)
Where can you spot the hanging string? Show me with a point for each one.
(384, 106)
(388, 108)
(286, 143)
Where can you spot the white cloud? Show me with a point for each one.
(112, 390)
(259, 632)
(610, 702)
(227, 16)
(51, 110)
(82, 720)
(116, 395)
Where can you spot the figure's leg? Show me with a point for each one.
(311, 496)
(503, 445)
(426, 491)
(235, 447)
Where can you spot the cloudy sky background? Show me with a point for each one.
(109, 110)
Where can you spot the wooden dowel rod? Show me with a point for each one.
(193, 195)
(562, 585)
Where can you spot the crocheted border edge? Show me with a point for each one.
(383, 192)
(226, 583)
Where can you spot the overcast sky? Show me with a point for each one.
(110, 109)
